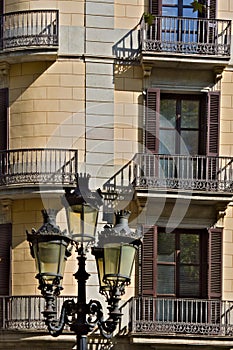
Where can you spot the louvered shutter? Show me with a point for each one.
(155, 7)
(5, 258)
(212, 9)
(215, 275)
(149, 261)
(152, 120)
(203, 125)
(212, 144)
(5, 246)
(213, 123)
(3, 118)
(215, 263)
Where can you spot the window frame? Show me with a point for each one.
(211, 265)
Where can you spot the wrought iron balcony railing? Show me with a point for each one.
(29, 29)
(140, 315)
(38, 166)
(162, 316)
(190, 36)
(25, 312)
(177, 172)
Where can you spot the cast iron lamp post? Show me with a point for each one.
(114, 255)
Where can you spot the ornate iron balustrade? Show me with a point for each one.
(29, 29)
(155, 316)
(180, 35)
(38, 166)
(177, 172)
(25, 312)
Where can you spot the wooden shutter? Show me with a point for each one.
(149, 261)
(212, 11)
(213, 123)
(152, 120)
(155, 7)
(5, 258)
(215, 264)
(212, 144)
(3, 118)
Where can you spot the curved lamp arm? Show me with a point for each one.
(95, 318)
(55, 327)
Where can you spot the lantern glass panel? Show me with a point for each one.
(50, 259)
(118, 261)
(82, 220)
(111, 261)
(100, 263)
(127, 260)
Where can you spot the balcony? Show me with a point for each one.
(34, 31)
(200, 186)
(30, 167)
(24, 312)
(174, 172)
(181, 38)
(168, 316)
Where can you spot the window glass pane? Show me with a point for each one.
(167, 113)
(189, 248)
(188, 12)
(189, 281)
(166, 279)
(170, 11)
(186, 2)
(167, 141)
(171, 2)
(189, 142)
(189, 114)
(166, 247)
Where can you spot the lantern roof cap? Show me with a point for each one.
(49, 227)
(81, 194)
(120, 232)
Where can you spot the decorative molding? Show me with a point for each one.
(220, 219)
(218, 73)
(4, 68)
(147, 70)
(5, 211)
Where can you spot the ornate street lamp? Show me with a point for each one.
(50, 247)
(115, 256)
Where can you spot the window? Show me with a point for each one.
(181, 264)
(182, 124)
(180, 29)
(179, 124)
(180, 8)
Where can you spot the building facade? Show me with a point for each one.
(138, 94)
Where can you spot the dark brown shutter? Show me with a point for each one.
(152, 120)
(215, 264)
(149, 261)
(203, 125)
(213, 134)
(213, 123)
(3, 118)
(212, 11)
(5, 257)
(155, 7)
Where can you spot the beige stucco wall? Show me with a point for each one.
(47, 105)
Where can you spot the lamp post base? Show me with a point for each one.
(82, 342)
